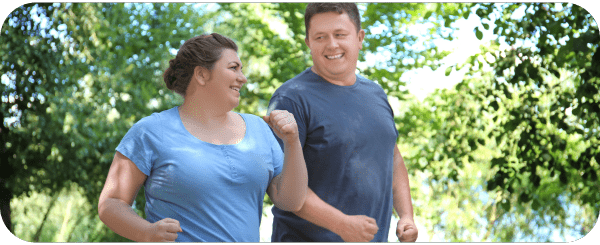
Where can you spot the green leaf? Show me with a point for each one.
(554, 72)
(506, 206)
(494, 104)
(496, 29)
(536, 205)
(427, 15)
(524, 198)
(472, 144)
(563, 177)
(478, 33)
(543, 120)
(448, 70)
(498, 162)
(447, 22)
(491, 185)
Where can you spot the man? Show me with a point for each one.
(355, 171)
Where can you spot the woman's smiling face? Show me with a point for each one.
(226, 79)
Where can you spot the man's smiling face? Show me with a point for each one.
(334, 44)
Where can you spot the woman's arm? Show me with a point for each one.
(288, 189)
(122, 184)
(120, 189)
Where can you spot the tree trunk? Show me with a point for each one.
(5, 197)
(38, 233)
(7, 171)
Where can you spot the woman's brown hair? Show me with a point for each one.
(201, 51)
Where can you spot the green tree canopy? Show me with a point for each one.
(508, 154)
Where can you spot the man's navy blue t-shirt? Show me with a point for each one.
(348, 137)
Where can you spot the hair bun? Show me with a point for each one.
(169, 76)
(172, 64)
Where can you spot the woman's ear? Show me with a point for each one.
(201, 74)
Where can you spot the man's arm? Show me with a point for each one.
(354, 228)
(351, 228)
(406, 230)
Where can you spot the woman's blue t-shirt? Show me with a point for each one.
(215, 191)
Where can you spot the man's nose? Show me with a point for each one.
(332, 42)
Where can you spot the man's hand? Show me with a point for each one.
(358, 228)
(407, 230)
(164, 230)
(283, 124)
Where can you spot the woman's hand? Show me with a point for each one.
(164, 230)
(283, 124)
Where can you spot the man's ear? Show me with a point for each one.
(307, 42)
(308, 45)
(361, 37)
(201, 74)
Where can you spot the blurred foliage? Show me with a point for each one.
(526, 117)
(550, 90)
(510, 151)
(70, 218)
(81, 68)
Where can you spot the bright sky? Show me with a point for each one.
(424, 81)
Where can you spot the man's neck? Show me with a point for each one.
(343, 80)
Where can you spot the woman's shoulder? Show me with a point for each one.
(254, 121)
(154, 120)
(250, 117)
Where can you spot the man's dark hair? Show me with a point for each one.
(316, 8)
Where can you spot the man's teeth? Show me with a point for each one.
(236, 89)
(334, 57)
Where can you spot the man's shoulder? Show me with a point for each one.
(297, 82)
(370, 87)
(367, 82)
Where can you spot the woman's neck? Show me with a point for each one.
(207, 115)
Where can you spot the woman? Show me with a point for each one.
(205, 169)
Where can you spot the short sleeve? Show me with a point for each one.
(385, 97)
(277, 157)
(284, 103)
(139, 143)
